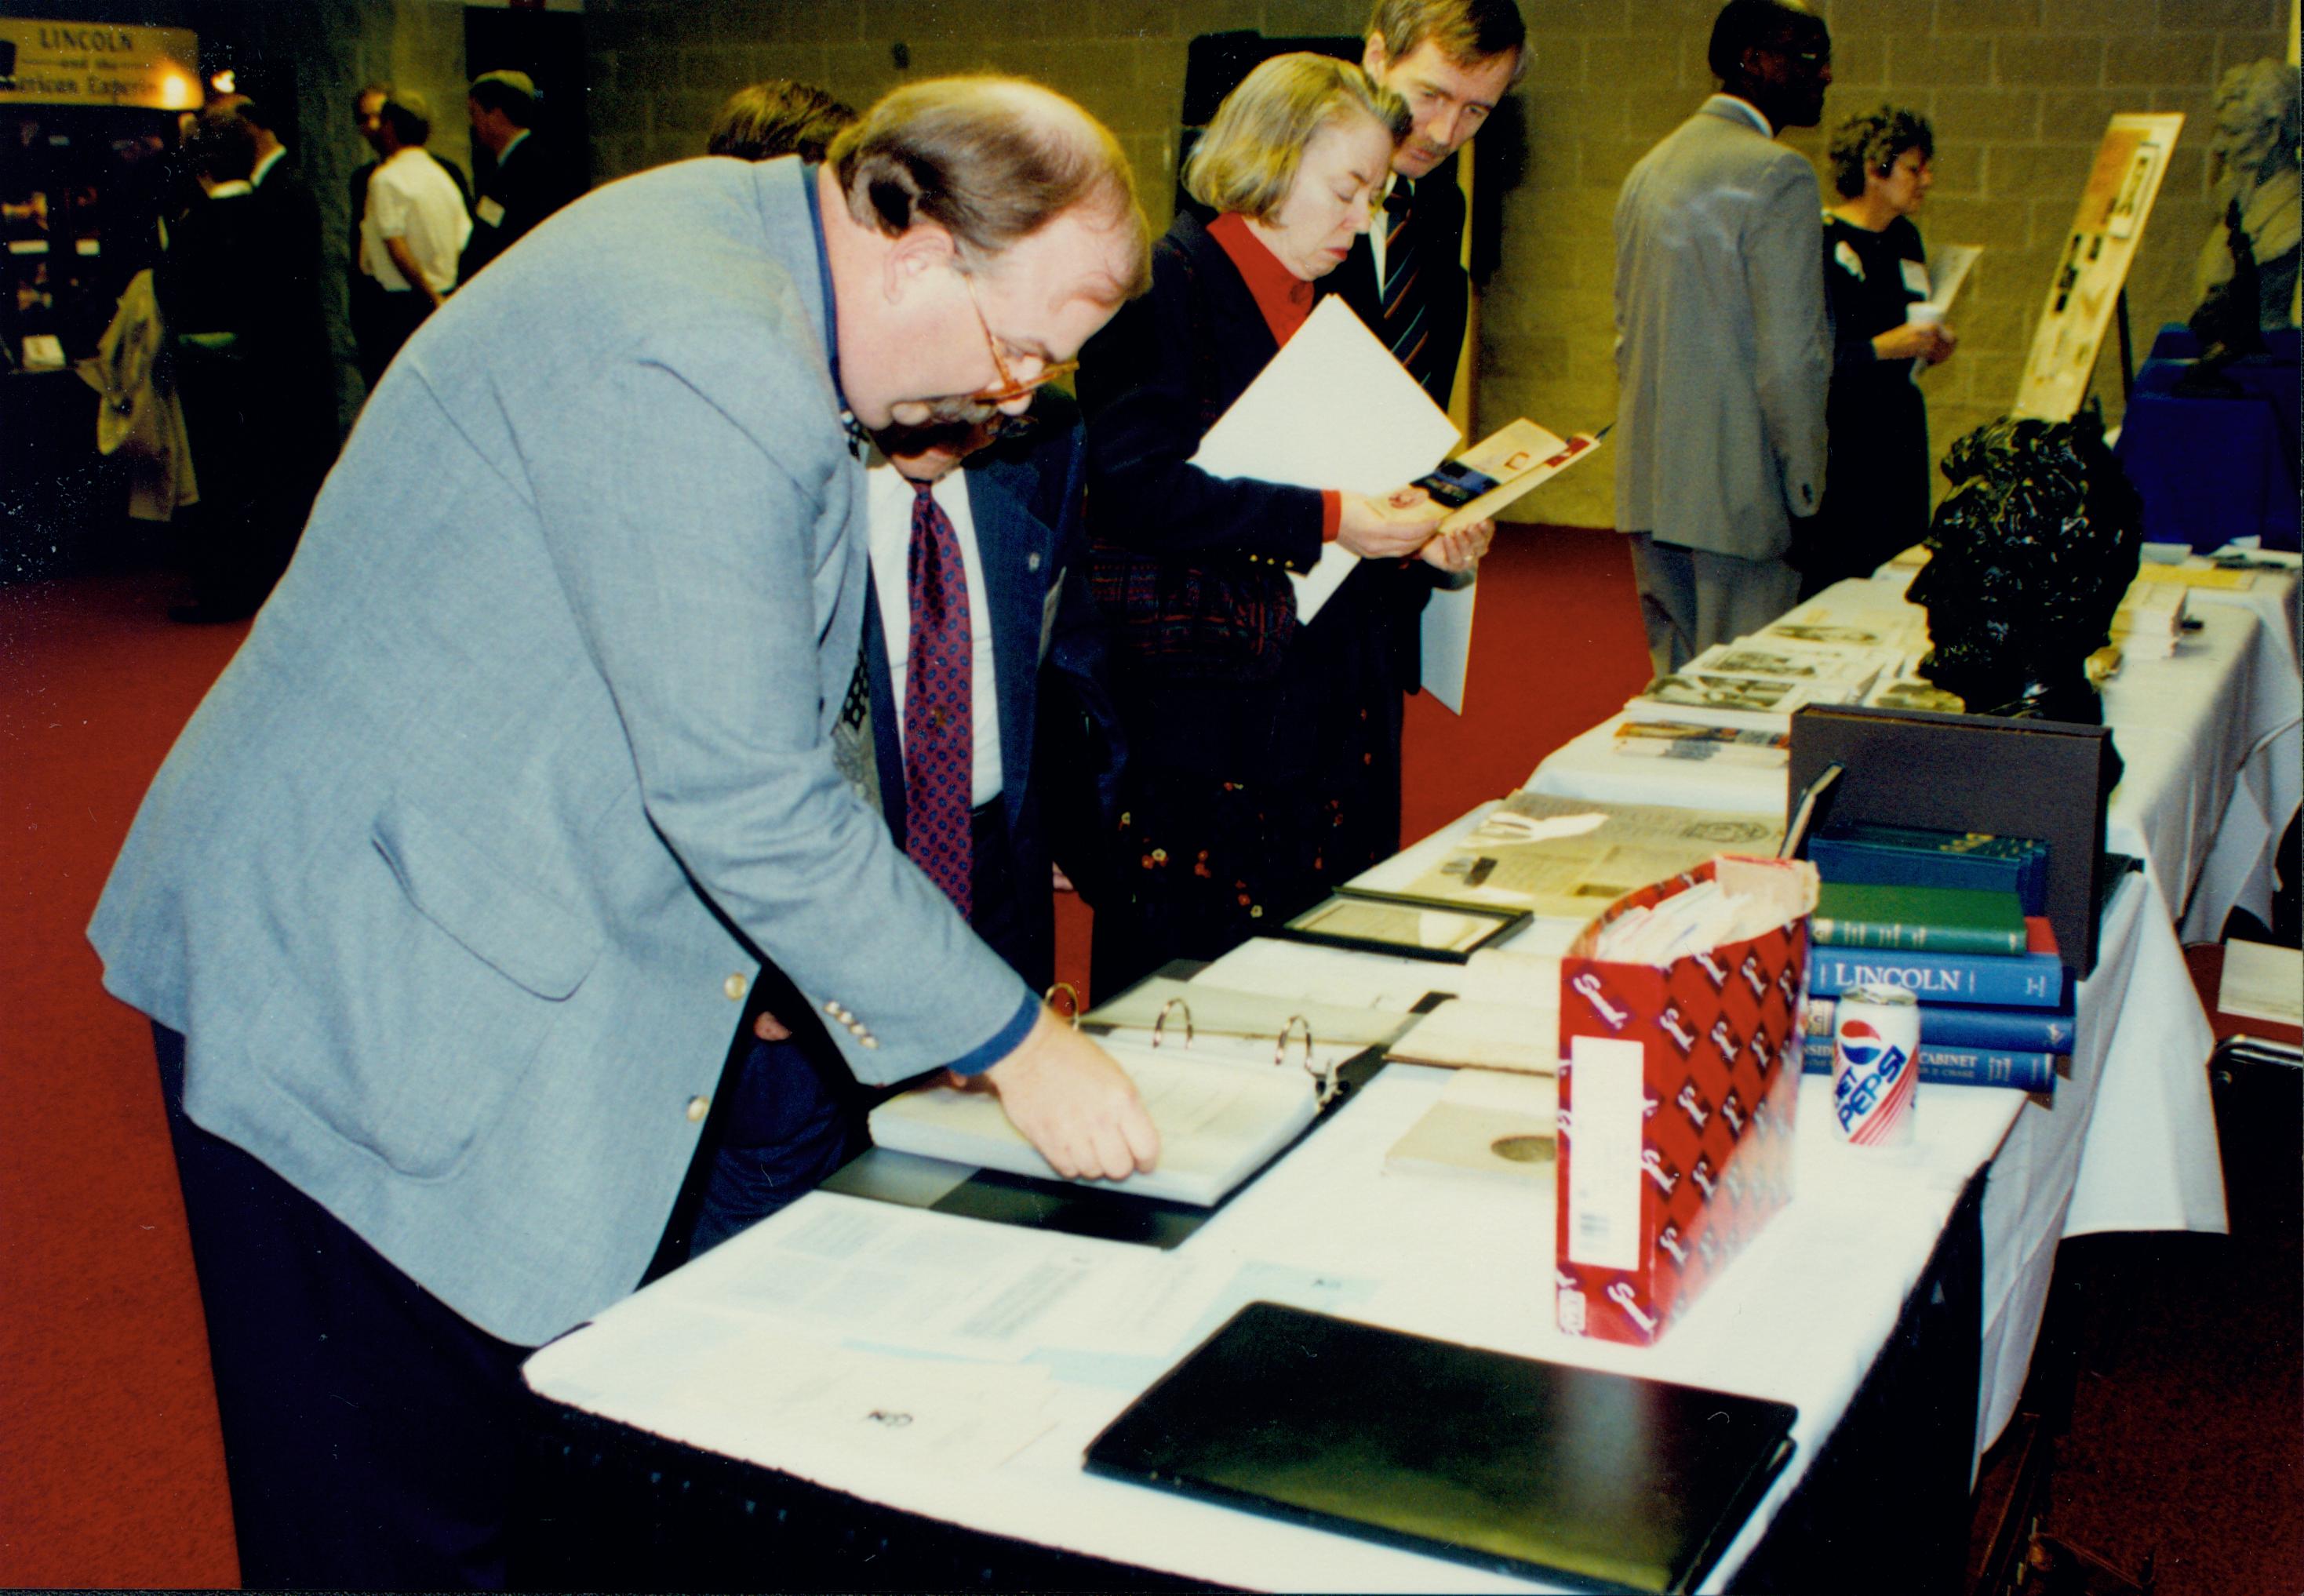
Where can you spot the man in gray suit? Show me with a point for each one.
(1723, 350)
(446, 902)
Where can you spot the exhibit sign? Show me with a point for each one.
(98, 63)
(2123, 184)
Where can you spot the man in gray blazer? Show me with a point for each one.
(446, 903)
(1724, 352)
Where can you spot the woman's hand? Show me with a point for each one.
(1389, 528)
(1929, 341)
(1461, 549)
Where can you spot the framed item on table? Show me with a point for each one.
(1405, 927)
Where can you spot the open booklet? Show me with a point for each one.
(1334, 410)
(1219, 1122)
(1500, 468)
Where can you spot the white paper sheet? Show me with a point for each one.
(2263, 983)
(1334, 410)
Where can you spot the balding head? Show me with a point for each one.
(991, 161)
(979, 231)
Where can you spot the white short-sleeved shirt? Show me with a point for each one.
(411, 196)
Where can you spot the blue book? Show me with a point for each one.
(1903, 855)
(1961, 1066)
(2034, 979)
(2049, 1030)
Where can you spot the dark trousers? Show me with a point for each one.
(392, 316)
(791, 1112)
(370, 1431)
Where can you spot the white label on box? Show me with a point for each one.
(1608, 1091)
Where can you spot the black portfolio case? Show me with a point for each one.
(2048, 779)
(1608, 1482)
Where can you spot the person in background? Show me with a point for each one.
(289, 360)
(1876, 503)
(777, 117)
(524, 178)
(1262, 753)
(210, 287)
(414, 220)
(444, 904)
(1453, 60)
(1723, 350)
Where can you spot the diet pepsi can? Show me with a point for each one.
(1875, 1065)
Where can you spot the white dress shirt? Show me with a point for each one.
(411, 196)
(889, 534)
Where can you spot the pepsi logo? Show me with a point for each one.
(1861, 1042)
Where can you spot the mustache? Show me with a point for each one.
(954, 427)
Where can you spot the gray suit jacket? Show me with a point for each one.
(456, 879)
(1724, 354)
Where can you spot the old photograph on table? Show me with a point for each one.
(1572, 858)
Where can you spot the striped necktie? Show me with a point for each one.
(939, 729)
(1404, 330)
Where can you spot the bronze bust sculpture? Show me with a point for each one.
(2029, 556)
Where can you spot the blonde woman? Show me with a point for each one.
(1263, 756)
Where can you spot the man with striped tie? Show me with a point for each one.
(1453, 60)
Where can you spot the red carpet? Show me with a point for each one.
(111, 1473)
(110, 1469)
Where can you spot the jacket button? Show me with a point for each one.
(697, 1107)
(734, 987)
(868, 1043)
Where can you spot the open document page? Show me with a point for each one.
(1334, 410)
(1218, 1123)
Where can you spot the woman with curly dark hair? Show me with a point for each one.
(1876, 500)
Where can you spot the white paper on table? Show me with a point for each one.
(2262, 983)
(1334, 410)
(1345, 976)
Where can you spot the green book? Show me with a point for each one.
(1917, 919)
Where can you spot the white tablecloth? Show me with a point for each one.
(2128, 1143)
(1008, 1349)
(2214, 764)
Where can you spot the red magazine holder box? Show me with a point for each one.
(1678, 1084)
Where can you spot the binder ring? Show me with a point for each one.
(1070, 1007)
(1297, 1024)
(1160, 1020)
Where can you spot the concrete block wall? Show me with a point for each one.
(661, 68)
(2019, 91)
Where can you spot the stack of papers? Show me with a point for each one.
(1745, 899)
(1549, 855)
(1754, 684)
(2151, 621)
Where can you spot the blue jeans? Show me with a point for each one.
(789, 1127)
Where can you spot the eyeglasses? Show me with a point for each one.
(1011, 387)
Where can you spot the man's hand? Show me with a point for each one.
(1074, 1104)
(769, 1028)
(1388, 528)
(1461, 549)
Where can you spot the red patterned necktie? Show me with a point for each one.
(939, 729)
